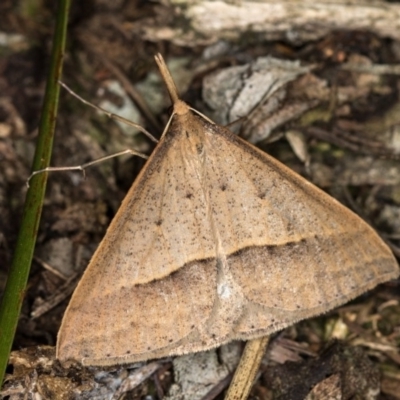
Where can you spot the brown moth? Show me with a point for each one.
(215, 241)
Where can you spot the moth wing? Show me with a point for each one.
(152, 279)
(295, 251)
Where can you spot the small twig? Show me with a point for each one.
(136, 378)
(218, 388)
(56, 298)
(349, 141)
(247, 369)
(50, 268)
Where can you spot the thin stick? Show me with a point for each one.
(247, 369)
(82, 167)
(109, 114)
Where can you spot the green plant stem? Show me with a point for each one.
(10, 306)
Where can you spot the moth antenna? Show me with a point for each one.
(83, 167)
(166, 75)
(109, 114)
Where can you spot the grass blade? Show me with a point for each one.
(11, 303)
